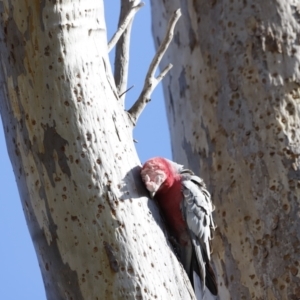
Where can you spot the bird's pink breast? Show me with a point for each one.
(169, 200)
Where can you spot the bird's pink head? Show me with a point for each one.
(156, 173)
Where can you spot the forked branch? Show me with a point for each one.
(151, 81)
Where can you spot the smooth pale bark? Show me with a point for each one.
(70, 143)
(233, 108)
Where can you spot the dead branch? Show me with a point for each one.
(151, 81)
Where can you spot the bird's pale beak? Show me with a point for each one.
(152, 194)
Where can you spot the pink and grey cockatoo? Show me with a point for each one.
(187, 208)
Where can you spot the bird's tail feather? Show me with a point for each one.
(198, 286)
(202, 266)
(198, 289)
(211, 281)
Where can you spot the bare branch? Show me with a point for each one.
(126, 91)
(165, 43)
(121, 65)
(124, 25)
(150, 81)
(164, 72)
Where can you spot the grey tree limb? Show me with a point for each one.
(123, 26)
(128, 9)
(151, 81)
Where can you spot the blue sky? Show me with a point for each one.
(20, 276)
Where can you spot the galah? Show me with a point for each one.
(187, 209)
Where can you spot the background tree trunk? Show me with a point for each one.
(71, 148)
(233, 109)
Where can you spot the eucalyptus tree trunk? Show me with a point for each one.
(70, 144)
(233, 108)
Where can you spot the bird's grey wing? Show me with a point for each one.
(197, 211)
(197, 208)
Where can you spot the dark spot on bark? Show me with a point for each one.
(294, 270)
(265, 253)
(54, 142)
(177, 38)
(47, 51)
(157, 41)
(74, 218)
(100, 208)
(272, 43)
(113, 262)
(182, 83)
(193, 39)
(171, 101)
(130, 270)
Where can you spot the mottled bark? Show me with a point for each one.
(233, 107)
(70, 144)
